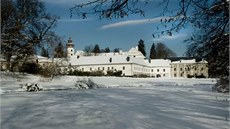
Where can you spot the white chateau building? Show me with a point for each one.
(131, 63)
(134, 63)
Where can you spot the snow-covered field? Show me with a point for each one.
(118, 103)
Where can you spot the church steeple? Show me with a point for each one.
(70, 47)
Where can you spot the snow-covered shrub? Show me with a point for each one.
(31, 87)
(46, 71)
(114, 73)
(222, 85)
(85, 84)
(30, 67)
(86, 73)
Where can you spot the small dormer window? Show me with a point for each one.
(128, 59)
(71, 50)
(110, 60)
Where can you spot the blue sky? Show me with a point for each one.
(116, 33)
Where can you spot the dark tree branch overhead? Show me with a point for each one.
(107, 8)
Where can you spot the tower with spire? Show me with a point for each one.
(70, 47)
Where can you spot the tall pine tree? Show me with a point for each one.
(107, 50)
(141, 47)
(96, 49)
(153, 52)
(44, 52)
(59, 51)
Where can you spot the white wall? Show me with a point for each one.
(125, 68)
(162, 71)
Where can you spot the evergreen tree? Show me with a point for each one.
(153, 52)
(44, 52)
(141, 47)
(116, 50)
(107, 50)
(96, 49)
(59, 51)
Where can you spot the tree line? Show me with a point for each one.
(160, 51)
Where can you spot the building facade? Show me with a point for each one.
(189, 68)
(160, 68)
(129, 64)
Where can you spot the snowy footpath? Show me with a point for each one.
(117, 103)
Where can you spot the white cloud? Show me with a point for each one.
(132, 22)
(167, 37)
(66, 2)
(71, 20)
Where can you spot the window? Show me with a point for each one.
(202, 69)
(181, 74)
(174, 75)
(152, 70)
(181, 69)
(110, 60)
(71, 54)
(195, 68)
(188, 69)
(112, 67)
(98, 68)
(90, 69)
(108, 68)
(157, 70)
(82, 69)
(103, 68)
(174, 69)
(128, 59)
(163, 70)
(164, 75)
(71, 50)
(123, 67)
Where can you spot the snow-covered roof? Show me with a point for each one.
(80, 52)
(103, 60)
(160, 63)
(188, 61)
(134, 52)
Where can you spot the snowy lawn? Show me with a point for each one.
(119, 103)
